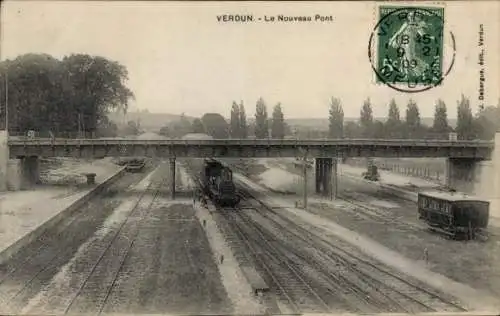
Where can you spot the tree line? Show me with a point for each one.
(73, 96)
(238, 126)
(482, 125)
(62, 97)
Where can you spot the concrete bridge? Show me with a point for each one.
(462, 156)
(259, 148)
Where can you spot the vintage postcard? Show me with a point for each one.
(239, 157)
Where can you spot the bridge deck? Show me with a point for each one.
(254, 142)
(250, 148)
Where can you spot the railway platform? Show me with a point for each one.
(25, 214)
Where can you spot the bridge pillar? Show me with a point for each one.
(460, 174)
(327, 177)
(172, 179)
(323, 176)
(334, 186)
(447, 173)
(4, 159)
(319, 162)
(317, 172)
(30, 172)
(495, 188)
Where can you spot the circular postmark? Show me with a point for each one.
(406, 48)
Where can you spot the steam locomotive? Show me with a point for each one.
(217, 183)
(214, 177)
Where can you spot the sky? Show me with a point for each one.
(180, 58)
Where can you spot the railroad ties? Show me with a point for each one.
(256, 282)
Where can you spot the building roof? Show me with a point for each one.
(452, 196)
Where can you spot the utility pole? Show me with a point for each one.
(7, 101)
(304, 166)
(79, 125)
(304, 174)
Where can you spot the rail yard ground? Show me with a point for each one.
(365, 208)
(62, 182)
(134, 250)
(128, 250)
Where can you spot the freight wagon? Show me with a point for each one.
(453, 214)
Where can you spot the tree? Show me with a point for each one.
(465, 120)
(378, 129)
(413, 125)
(366, 118)
(243, 122)
(34, 97)
(106, 128)
(181, 127)
(215, 125)
(278, 123)
(132, 128)
(197, 126)
(165, 131)
(336, 119)
(440, 125)
(177, 128)
(487, 122)
(251, 128)
(97, 87)
(352, 130)
(235, 127)
(62, 96)
(261, 120)
(288, 129)
(393, 127)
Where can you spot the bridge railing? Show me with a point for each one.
(249, 142)
(43, 134)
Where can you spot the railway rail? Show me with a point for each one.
(122, 242)
(364, 282)
(356, 200)
(34, 263)
(386, 216)
(392, 290)
(33, 267)
(293, 289)
(339, 291)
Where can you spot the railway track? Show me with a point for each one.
(376, 213)
(354, 199)
(364, 283)
(358, 200)
(372, 286)
(291, 288)
(94, 291)
(394, 289)
(26, 271)
(34, 268)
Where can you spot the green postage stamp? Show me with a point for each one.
(409, 47)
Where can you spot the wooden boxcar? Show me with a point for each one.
(453, 213)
